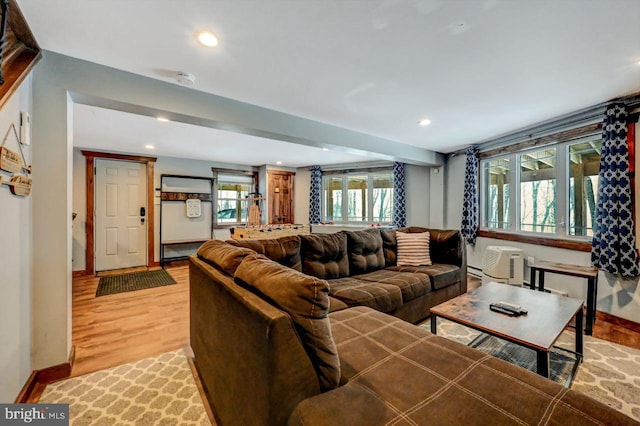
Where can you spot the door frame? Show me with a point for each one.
(90, 157)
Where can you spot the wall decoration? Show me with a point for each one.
(11, 162)
(194, 208)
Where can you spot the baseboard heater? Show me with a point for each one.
(474, 271)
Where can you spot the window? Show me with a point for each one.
(231, 198)
(357, 197)
(496, 193)
(538, 191)
(584, 164)
(550, 192)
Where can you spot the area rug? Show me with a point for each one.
(134, 281)
(560, 364)
(152, 391)
(609, 372)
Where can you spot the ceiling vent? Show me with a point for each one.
(185, 78)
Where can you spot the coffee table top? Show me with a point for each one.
(548, 314)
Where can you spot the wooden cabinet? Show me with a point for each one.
(280, 196)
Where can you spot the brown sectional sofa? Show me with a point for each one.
(360, 267)
(269, 352)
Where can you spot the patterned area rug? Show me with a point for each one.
(134, 281)
(560, 364)
(609, 373)
(152, 391)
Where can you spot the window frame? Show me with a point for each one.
(561, 237)
(221, 176)
(344, 176)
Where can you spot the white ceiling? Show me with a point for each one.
(475, 68)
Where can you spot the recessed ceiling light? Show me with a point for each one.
(207, 38)
(163, 119)
(325, 149)
(150, 147)
(424, 122)
(278, 162)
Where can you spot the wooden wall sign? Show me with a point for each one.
(11, 162)
(19, 185)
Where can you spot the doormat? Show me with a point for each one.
(133, 281)
(561, 366)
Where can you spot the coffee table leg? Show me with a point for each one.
(579, 337)
(532, 279)
(543, 363)
(590, 305)
(433, 323)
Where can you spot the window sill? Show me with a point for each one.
(577, 245)
(229, 225)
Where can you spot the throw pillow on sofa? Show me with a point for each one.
(306, 300)
(413, 249)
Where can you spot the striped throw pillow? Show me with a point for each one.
(413, 249)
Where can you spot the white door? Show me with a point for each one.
(120, 214)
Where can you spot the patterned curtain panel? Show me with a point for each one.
(399, 216)
(470, 209)
(613, 245)
(315, 193)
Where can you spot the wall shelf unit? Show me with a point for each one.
(186, 214)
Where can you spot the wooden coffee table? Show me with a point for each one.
(539, 329)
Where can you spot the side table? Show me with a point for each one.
(588, 272)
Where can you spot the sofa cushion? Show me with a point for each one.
(411, 285)
(365, 251)
(355, 292)
(402, 374)
(325, 256)
(442, 275)
(336, 304)
(284, 250)
(389, 246)
(223, 256)
(306, 299)
(413, 249)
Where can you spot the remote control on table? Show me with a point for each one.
(511, 306)
(497, 308)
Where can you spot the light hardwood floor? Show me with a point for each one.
(116, 329)
(120, 328)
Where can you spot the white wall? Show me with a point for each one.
(615, 296)
(79, 234)
(52, 195)
(454, 181)
(16, 262)
(417, 189)
(301, 185)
